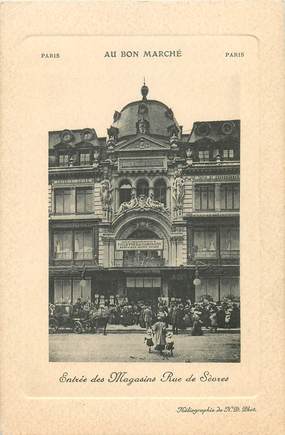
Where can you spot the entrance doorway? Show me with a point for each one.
(143, 288)
(146, 295)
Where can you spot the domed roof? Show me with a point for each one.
(145, 116)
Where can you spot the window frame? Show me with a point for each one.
(158, 197)
(203, 231)
(91, 193)
(57, 191)
(65, 161)
(198, 190)
(228, 151)
(203, 159)
(232, 189)
(84, 162)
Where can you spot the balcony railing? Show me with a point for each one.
(206, 254)
(146, 262)
(230, 253)
(69, 255)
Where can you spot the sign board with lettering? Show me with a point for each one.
(136, 163)
(139, 245)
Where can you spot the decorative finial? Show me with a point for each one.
(144, 90)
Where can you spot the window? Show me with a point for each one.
(84, 200)
(68, 291)
(79, 291)
(63, 159)
(209, 287)
(229, 287)
(229, 242)
(230, 196)
(83, 245)
(205, 244)
(62, 242)
(204, 155)
(64, 201)
(62, 291)
(125, 191)
(142, 188)
(141, 282)
(228, 153)
(205, 197)
(160, 191)
(84, 158)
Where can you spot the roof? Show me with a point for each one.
(216, 131)
(158, 116)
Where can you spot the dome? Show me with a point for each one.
(146, 117)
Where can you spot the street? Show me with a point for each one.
(130, 347)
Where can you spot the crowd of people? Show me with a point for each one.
(177, 315)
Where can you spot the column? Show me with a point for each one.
(218, 196)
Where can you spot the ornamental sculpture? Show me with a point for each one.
(178, 190)
(106, 198)
(142, 203)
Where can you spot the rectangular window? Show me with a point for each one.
(229, 242)
(205, 197)
(204, 156)
(62, 241)
(208, 287)
(62, 291)
(84, 158)
(205, 244)
(228, 153)
(229, 287)
(230, 196)
(81, 291)
(84, 200)
(64, 201)
(63, 159)
(83, 245)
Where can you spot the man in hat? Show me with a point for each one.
(147, 316)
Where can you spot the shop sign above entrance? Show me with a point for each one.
(139, 245)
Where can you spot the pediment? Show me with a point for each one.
(143, 143)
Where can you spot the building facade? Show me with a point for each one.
(145, 212)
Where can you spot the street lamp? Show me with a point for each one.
(196, 280)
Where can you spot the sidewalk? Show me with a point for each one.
(120, 329)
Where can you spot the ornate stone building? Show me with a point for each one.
(145, 211)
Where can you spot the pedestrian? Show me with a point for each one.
(173, 319)
(213, 320)
(147, 316)
(148, 339)
(228, 319)
(159, 335)
(197, 325)
(170, 343)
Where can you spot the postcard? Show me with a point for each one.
(143, 219)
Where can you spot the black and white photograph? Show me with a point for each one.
(144, 236)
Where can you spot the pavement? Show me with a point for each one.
(116, 346)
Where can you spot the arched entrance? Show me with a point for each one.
(142, 250)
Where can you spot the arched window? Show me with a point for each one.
(142, 188)
(125, 191)
(160, 191)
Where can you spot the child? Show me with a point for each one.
(228, 319)
(148, 339)
(170, 343)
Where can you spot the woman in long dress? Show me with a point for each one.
(159, 331)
